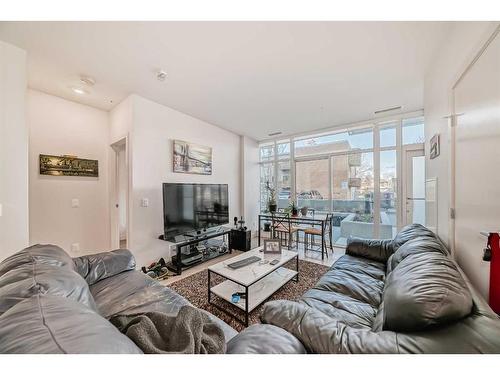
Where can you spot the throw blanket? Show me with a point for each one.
(190, 332)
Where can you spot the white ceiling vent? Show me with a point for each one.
(387, 111)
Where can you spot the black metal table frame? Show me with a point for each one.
(295, 220)
(246, 312)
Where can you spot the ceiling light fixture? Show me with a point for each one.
(87, 80)
(273, 134)
(79, 91)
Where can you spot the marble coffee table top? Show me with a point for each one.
(250, 274)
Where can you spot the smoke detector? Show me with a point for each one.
(161, 75)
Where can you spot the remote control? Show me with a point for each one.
(274, 261)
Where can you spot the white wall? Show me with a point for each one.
(155, 127)
(13, 151)
(458, 49)
(58, 127)
(477, 98)
(250, 182)
(477, 135)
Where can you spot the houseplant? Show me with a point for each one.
(271, 203)
(292, 209)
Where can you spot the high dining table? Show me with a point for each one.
(295, 220)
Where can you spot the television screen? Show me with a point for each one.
(193, 207)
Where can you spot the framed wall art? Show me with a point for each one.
(68, 165)
(192, 158)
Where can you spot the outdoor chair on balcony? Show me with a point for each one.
(311, 233)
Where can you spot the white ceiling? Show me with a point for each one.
(253, 78)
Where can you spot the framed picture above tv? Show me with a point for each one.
(192, 158)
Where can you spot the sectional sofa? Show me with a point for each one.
(405, 295)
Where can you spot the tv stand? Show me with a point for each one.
(187, 254)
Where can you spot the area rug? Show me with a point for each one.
(194, 289)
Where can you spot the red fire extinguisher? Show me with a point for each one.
(492, 255)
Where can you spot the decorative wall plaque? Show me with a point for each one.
(68, 165)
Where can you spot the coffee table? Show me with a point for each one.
(258, 281)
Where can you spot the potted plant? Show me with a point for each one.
(293, 208)
(271, 203)
(303, 210)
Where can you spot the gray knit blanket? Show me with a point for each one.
(190, 332)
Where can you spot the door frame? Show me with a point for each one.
(114, 191)
(408, 152)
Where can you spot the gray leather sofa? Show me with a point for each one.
(405, 295)
(52, 303)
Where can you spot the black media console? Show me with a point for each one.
(199, 249)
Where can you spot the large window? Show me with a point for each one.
(312, 184)
(353, 173)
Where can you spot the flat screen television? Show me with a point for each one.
(193, 207)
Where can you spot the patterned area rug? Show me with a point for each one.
(194, 289)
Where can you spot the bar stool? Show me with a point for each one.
(311, 233)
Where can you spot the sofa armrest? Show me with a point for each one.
(96, 267)
(377, 250)
(264, 339)
(320, 333)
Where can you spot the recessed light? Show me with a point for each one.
(79, 91)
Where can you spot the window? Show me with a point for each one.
(312, 184)
(266, 177)
(267, 152)
(335, 173)
(283, 150)
(387, 135)
(283, 190)
(352, 195)
(388, 194)
(413, 130)
(339, 142)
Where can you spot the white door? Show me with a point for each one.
(413, 187)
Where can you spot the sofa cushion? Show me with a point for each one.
(415, 246)
(96, 267)
(343, 308)
(321, 333)
(357, 278)
(425, 290)
(409, 233)
(27, 280)
(265, 339)
(51, 324)
(40, 254)
(378, 250)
